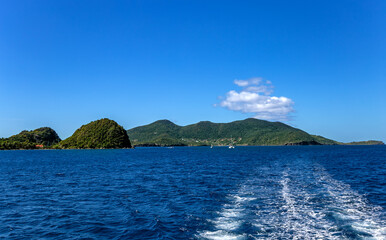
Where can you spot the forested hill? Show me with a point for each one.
(103, 133)
(245, 132)
(106, 133)
(43, 137)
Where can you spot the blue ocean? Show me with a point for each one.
(290, 192)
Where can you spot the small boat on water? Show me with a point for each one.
(231, 146)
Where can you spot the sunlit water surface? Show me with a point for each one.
(299, 192)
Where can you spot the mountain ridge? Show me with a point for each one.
(249, 132)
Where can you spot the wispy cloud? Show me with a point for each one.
(255, 98)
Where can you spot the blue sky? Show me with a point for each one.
(66, 63)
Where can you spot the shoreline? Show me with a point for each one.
(206, 146)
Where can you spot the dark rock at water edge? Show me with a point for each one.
(303, 143)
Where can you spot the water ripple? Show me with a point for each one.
(319, 192)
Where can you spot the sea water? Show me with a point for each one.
(291, 192)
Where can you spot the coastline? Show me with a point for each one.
(201, 146)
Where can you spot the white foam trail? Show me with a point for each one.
(352, 208)
(230, 218)
(289, 201)
(301, 202)
(230, 212)
(221, 235)
(296, 218)
(240, 199)
(224, 224)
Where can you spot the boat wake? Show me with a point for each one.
(350, 210)
(231, 217)
(296, 202)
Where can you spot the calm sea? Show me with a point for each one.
(292, 192)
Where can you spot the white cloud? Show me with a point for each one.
(254, 98)
(257, 85)
(241, 83)
(251, 81)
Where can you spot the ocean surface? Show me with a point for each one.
(291, 192)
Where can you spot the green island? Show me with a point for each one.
(107, 134)
(248, 132)
(103, 133)
(369, 142)
(44, 137)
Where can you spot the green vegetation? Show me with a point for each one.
(106, 133)
(246, 132)
(43, 137)
(103, 133)
(370, 142)
(325, 141)
(6, 144)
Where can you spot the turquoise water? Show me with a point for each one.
(296, 192)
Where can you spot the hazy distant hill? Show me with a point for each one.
(245, 132)
(103, 133)
(29, 139)
(369, 142)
